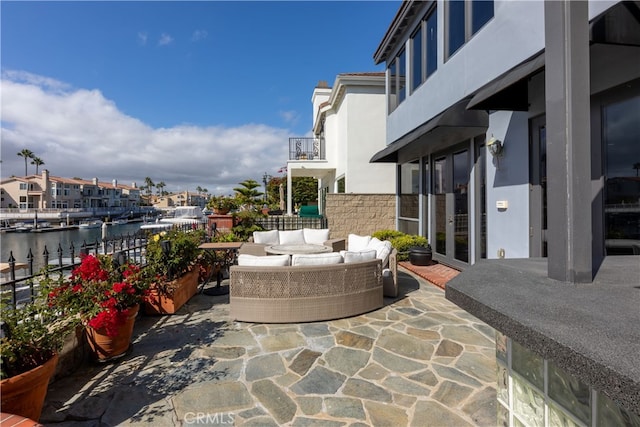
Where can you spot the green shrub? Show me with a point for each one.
(405, 242)
(246, 224)
(387, 234)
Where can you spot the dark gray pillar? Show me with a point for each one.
(568, 140)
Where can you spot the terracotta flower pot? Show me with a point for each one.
(105, 347)
(24, 394)
(160, 303)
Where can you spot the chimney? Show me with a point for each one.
(115, 183)
(322, 84)
(134, 185)
(95, 181)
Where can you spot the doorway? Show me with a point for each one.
(450, 208)
(538, 188)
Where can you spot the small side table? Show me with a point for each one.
(221, 255)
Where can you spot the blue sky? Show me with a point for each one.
(189, 93)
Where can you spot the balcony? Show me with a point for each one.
(306, 149)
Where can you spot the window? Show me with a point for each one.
(416, 59)
(402, 76)
(622, 192)
(409, 189)
(432, 43)
(424, 50)
(23, 185)
(397, 81)
(392, 86)
(464, 18)
(481, 13)
(456, 30)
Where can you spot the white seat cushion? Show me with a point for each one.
(360, 256)
(292, 237)
(266, 237)
(264, 261)
(357, 243)
(315, 236)
(382, 248)
(316, 259)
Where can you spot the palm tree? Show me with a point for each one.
(38, 162)
(149, 185)
(27, 154)
(199, 189)
(636, 166)
(160, 186)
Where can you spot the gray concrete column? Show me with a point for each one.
(568, 140)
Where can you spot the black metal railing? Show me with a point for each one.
(21, 285)
(285, 222)
(301, 148)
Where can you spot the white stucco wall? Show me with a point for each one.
(365, 134)
(508, 180)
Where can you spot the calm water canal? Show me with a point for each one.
(20, 243)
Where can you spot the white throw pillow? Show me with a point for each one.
(292, 237)
(316, 236)
(382, 248)
(266, 237)
(316, 259)
(264, 261)
(358, 243)
(361, 256)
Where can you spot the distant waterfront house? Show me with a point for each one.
(515, 127)
(183, 198)
(52, 192)
(348, 128)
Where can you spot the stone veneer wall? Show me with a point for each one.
(359, 213)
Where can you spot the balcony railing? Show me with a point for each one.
(306, 149)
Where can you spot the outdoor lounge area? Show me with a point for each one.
(299, 276)
(417, 360)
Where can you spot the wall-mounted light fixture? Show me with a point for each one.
(495, 147)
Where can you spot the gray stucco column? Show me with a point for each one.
(568, 140)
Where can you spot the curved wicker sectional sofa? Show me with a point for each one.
(291, 294)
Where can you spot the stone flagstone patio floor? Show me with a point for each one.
(418, 361)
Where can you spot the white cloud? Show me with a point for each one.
(199, 35)
(289, 117)
(165, 39)
(142, 38)
(78, 132)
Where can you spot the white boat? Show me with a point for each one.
(84, 225)
(119, 221)
(186, 215)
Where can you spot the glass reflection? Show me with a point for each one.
(621, 136)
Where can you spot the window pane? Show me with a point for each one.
(461, 207)
(456, 25)
(409, 189)
(402, 76)
(482, 11)
(440, 201)
(621, 133)
(416, 59)
(392, 86)
(432, 43)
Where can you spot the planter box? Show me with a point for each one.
(156, 303)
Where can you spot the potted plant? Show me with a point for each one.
(174, 267)
(31, 338)
(410, 247)
(106, 295)
(222, 205)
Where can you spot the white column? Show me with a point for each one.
(289, 195)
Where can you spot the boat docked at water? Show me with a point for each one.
(186, 215)
(85, 225)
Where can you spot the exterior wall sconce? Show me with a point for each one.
(495, 147)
